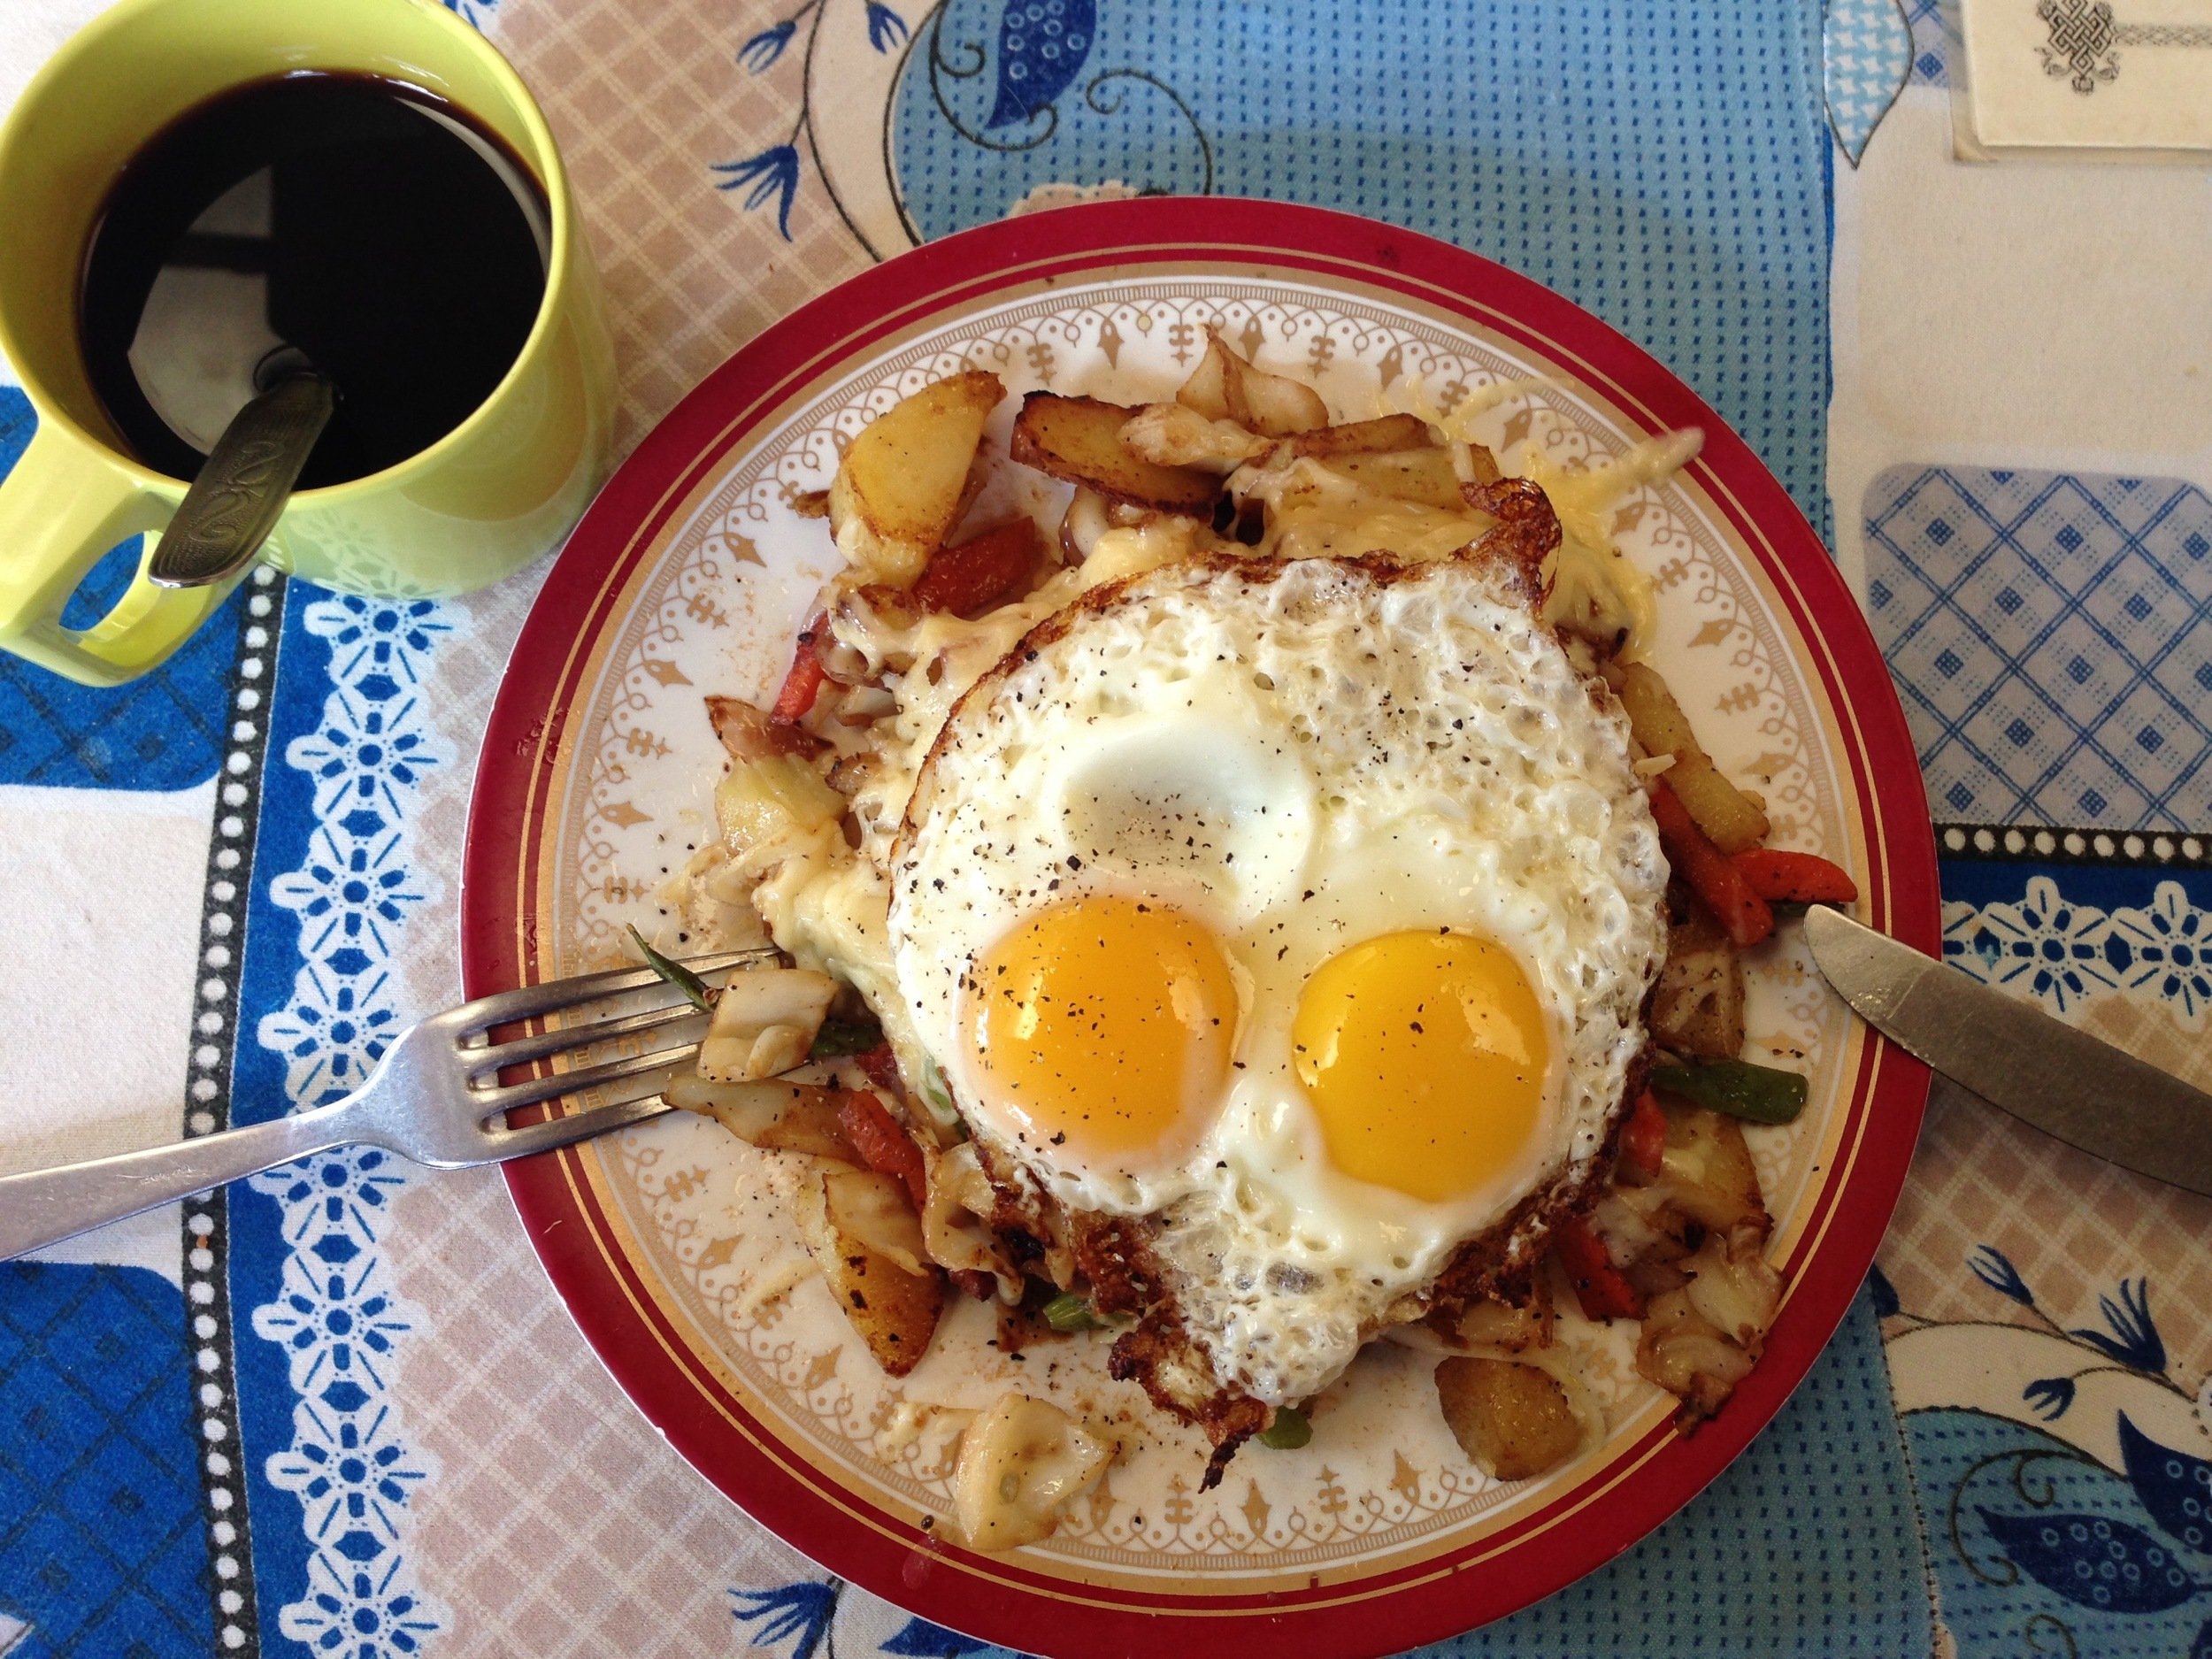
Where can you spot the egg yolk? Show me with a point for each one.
(1101, 1028)
(1425, 1056)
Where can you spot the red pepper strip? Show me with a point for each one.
(1601, 1288)
(978, 574)
(803, 683)
(1782, 878)
(1743, 915)
(881, 1068)
(1643, 1143)
(882, 1144)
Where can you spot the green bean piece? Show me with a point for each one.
(1759, 1093)
(839, 1037)
(1068, 1313)
(683, 979)
(1288, 1432)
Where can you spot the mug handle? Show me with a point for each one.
(62, 509)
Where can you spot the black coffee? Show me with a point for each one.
(359, 223)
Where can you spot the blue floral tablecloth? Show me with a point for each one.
(337, 1412)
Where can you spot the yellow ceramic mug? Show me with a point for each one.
(481, 501)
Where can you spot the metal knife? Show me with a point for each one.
(2065, 1082)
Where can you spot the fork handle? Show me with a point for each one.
(46, 1206)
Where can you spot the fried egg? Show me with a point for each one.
(1304, 909)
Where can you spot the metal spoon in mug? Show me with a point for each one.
(240, 493)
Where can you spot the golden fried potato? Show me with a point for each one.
(1079, 439)
(903, 483)
(783, 1117)
(1707, 1173)
(1697, 1006)
(1513, 1327)
(1369, 437)
(1425, 476)
(1730, 821)
(893, 1310)
(1513, 1421)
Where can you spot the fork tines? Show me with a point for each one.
(482, 1060)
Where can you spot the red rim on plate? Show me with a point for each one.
(528, 745)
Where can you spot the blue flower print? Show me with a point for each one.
(886, 28)
(1995, 1269)
(765, 47)
(2135, 1340)
(773, 174)
(798, 1612)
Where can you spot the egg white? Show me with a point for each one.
(1303, 755)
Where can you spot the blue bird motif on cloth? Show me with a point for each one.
(2092, 1561)
(2077, 1551)
(2176, 1489)
(1043, 45)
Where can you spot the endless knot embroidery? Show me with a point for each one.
(2084, 33)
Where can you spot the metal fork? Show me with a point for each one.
(433, 1098)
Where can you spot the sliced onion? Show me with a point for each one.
(865, 704)
(847, 665)
(874, 1208)
(1086, 520)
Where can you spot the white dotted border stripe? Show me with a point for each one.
(207, 1109)
(337, 1316)
(2073, 845)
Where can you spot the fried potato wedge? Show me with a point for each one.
(903, 483)
(1731, 821)
(1475, 464)
(894, 1311)
(1079, 440)
(782, 1116)
(1369, 437)
(1513, 1421)
(1697, 1007)
(1509, 1327)
(1423, 476)
(1707, 1173)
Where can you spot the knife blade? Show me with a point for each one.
(2064, 1081)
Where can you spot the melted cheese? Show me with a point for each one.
(1596, 588)
(1314, 512)
(825, 902)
